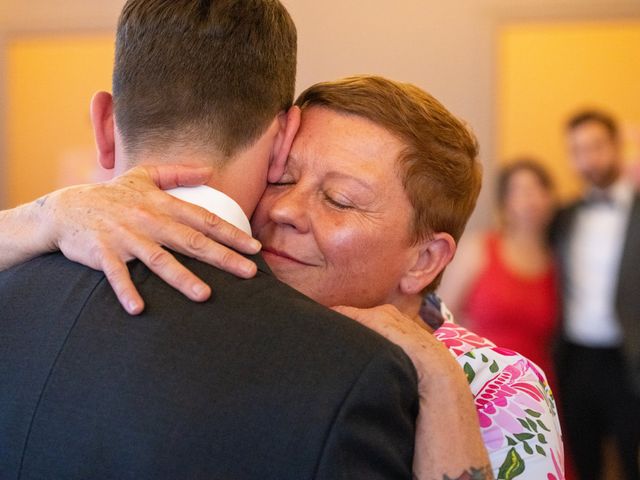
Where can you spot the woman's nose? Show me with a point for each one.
(291, 208)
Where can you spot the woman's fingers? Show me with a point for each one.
(385, 319)
(424, 350)
(168, 268)
(190, 242)
(117, 275)
(106, 225)
(211, 225)
(172, 176)
(166, 225)
(358, 314)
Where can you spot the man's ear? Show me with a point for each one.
(289, 122)
(432, 256)
(104, 128)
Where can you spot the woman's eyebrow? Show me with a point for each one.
(363, 181)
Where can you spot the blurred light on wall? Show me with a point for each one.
(50, 82)
(548, 71)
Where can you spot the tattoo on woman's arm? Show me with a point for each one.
(483, 473)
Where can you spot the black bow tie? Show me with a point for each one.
(598, 197)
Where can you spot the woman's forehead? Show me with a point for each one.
(349, 143)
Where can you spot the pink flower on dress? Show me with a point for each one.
(459, 340)
(494, 399)
(514, 404)
(506, 352)
(559, 468)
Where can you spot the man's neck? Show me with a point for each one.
(243, 176)
(231, 176)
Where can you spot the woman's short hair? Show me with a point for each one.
(440, 170)
(528, 164)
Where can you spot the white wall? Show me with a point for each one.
(446, 47)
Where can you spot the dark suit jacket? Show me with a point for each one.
(257, 383)
(628, 285)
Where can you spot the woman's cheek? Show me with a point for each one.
(345, 244)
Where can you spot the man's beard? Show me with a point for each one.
(604, 179)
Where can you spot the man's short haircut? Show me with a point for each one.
(212, 74)
(439, 166)
(598, 116)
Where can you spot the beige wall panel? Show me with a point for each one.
(50, 81)
(548, 71)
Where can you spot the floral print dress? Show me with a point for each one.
(516, 409)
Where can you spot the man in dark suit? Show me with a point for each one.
(258, 382)
(598, 246)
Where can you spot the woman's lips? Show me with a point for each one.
(283, 255)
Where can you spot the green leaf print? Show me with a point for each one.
(512, 466)
(484, 358)
(541, 438)
(533, 413)
(524, 436)
(469, 372)
(541, 451)
(527, 448)
(524, 424)
(542, 426)
(494, 367)
(533, 425)
(510, 441)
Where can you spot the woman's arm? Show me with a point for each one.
(22, 236)
(105, 225)
(463, 271)
(448, 440)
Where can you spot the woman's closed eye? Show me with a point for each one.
(281, 183)
(339, 202)
(284, 181)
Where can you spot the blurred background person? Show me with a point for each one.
(502, 284)
(597, 240)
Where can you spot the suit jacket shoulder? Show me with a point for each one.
(561, 224)
(628, 295)
(258, 382)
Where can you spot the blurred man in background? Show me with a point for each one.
(597, 240)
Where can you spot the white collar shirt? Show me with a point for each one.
(216, 202)
(595, 250)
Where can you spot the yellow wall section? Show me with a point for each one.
(50, 83)
(547, 71)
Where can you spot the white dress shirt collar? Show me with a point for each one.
(216, 202)
(595, 251)
(620, 193)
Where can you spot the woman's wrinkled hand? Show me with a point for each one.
(429, 356)
(105, 225)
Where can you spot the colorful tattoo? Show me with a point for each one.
(484, 473)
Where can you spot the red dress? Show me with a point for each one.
(513, 311)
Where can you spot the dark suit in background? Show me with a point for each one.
(600, 387)
(257, 383)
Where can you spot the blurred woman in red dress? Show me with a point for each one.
(502, 284)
